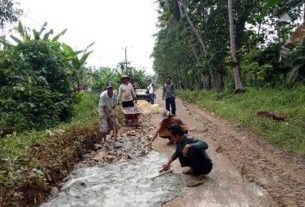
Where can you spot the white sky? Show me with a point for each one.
(111, 24)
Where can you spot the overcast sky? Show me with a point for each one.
(111, 24)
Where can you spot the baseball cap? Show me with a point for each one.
(109, 85)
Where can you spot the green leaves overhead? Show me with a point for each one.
(259, 36)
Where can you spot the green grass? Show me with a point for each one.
(84, 112)
(242, 108)
(26, 158)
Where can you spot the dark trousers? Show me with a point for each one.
(197, 161)
(151, 98)
(170, 104)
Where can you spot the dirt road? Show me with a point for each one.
(247, 171)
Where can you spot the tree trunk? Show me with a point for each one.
(237, 81)
(183, 10)
(194, 53)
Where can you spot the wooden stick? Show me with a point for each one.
(163, 173)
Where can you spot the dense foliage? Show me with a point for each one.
(8, 12)
(100, 77)
(35, 86)
(38, 77)
(193, 44)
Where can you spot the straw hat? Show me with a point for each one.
(125, 76)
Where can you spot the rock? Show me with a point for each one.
(54, 191)
(219, 149)
(98, 146)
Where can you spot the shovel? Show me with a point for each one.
(160, 174)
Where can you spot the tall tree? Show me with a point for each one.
(236, 74)
(8, 12)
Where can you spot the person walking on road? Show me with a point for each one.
(191, 152)
(151, 92)
(127, 95)
(169, 94)
(107, 104)
(162, 130)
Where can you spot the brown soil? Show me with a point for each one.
(247, 171)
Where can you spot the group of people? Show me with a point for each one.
(168, 94)
(191, 152)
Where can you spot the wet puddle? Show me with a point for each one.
(119, 185)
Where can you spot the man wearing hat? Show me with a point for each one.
(127, 95)
(167, 120)
(107, 104)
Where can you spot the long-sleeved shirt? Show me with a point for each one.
(194, 143)
(126, 92)
(169, 90)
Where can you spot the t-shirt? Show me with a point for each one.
(126, 92)
(195, 144)
(110, 103)
(166, 123)
(150, 88)
(169, 90)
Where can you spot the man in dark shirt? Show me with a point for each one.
(169, 94)
(191, 152)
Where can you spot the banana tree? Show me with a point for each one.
(77, 60)
(25, 35)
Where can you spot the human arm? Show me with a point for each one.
(133, 94)
(119, 95)
(174, 91)
(149, 145)
(167, 165)
(163, 92)
(109, 116)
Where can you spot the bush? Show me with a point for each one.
(36, 91)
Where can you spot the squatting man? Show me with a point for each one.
(191, 153)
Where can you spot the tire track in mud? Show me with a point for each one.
(280, 173)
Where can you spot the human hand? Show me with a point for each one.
(149, 145)
(135, 101)
(185, 150)
(165, 167)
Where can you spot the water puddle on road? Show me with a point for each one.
(119, 185)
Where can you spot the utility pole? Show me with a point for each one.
(126, 61)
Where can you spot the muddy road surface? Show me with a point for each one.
(246, 170)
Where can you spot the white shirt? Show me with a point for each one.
(110, 103)
(126, 92)
(150, 88)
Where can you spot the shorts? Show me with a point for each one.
(105, 125)
(127, 104)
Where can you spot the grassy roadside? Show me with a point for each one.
(32, 162)
(289, 135)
